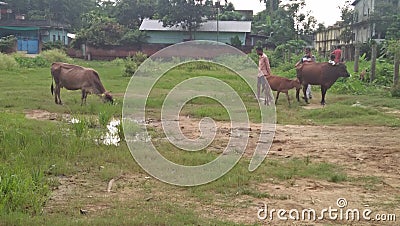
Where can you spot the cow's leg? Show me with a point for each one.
(84, 96)
(323, 92)
(55, 95)
(277, 96)
(288, 98)
(298, 95)
(305, 93)
(58, 95)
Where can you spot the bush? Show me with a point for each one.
(236, 42)
(7, 62)
(132, 63)
(29, 62)
(55, 55)
(7, 44)
(53, 45)
(130, 67)
(139, 58)
(395, 91)
(351, 86)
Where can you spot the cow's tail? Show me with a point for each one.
(52, 88)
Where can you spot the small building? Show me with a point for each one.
(364, 28)
(326, 39)
(221, 31)
(31, 34)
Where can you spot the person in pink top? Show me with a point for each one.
(264, 70)
(338, 54)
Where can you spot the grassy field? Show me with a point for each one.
(36, 155)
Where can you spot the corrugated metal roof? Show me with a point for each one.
(209, 26)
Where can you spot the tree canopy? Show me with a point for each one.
(189, 14)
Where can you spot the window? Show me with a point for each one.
(54, 38)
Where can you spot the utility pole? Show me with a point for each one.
(218, 5)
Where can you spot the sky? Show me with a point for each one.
(325, 11)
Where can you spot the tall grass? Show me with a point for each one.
(56, 55)
(104, 118)
(32, 152)
(7, 62)
(22, 190)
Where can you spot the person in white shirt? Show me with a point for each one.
(307, 58)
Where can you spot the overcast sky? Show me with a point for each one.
(325, 11)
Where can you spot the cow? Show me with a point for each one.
(281, 84)
(74, 77)
(323, 74)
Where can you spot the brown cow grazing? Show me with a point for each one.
(323, 74)
(281, 84)
(73, 77)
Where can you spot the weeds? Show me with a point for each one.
(104, 118)
(7, 62)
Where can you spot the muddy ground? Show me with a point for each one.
(363, 152)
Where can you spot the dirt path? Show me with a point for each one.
(371, 154)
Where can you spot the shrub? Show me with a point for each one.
(140, 57)
(133, 62)
(7, 44)
(130, 67)
(53, 45)
(236, 42)
(7, 62)
(395, 91)
(55, 55)
(29, 62)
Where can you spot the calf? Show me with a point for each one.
(281, 84)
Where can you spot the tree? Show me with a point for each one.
(382, 17)
(228, 13)
(100, 31)
(134, 37)
(231, 15)
(285, 23)
(236, 42)
(271, 5)
(347, 15)
(131, 13)
(188, 14)
(62, 11)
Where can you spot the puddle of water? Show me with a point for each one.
(111, 137)
(74, 121)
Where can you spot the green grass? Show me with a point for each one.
(35, 154)
(202, 106)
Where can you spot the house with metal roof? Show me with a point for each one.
(221, 31)
(31, 34)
